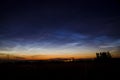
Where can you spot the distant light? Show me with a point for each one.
(70, 60)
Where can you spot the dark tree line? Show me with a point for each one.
(103, 55)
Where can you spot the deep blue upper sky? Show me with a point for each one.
(51, 26)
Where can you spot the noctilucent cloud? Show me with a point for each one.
(60, 27)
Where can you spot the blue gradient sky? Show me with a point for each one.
(77, 28)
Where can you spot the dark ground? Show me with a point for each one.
(81, 70)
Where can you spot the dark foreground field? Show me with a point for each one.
(81, 70)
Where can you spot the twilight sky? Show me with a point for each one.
(59, 28)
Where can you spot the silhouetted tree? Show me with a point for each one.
(103, 55)
(97, 55)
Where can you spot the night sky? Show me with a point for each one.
(59, 28)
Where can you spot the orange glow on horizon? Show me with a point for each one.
(49, 56)
(44, 57)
